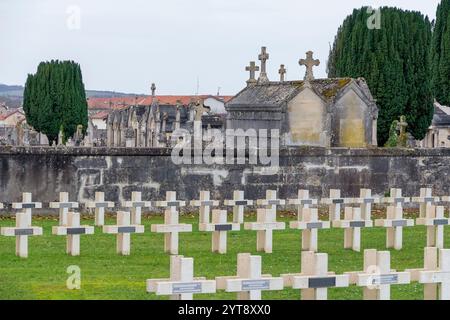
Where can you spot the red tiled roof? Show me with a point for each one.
(9, 114)
(102, 115)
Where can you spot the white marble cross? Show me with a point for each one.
(310, 225)
(263, 57)
(314, 279)
(366, 200)
(123, 230)
(181, 285)
(426, 200)
(352, 224)
(334, 203)
(171, 227)
(435, 275)
(377, 276)
(249, 281)
(205, 203)
(394, 224)
(27, 205)
(100, 204)
(21, 231)
(219, 228)
(136, 204)
(264, 226)
(435, 222)
(309, 63)
(238, 203)
(396, 198)
(303, 201)
(72, 230)
(63, 205)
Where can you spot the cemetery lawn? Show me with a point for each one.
(106, 275)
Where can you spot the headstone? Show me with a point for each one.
(238, 203)
(99, 205)
(72, 230)
(426, 200)
(123, 230)
(334, 202)
(219, 227)
(181, 285)
(136, 204)
(435, 222)
(252, 68)
(377, 276)
(310, 225)
(27, 206)
(366, 200)
(435, 275)
(249, 281)
(205, 203)
(21, 231)
(352, 224)
(171, 227)
(63, 205)
(314, 279)
(394, 224)
(309, 63)
(303, 201)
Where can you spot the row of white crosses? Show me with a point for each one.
(314, 279)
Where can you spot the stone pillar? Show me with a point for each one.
(374, 132)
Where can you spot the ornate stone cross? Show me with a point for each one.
(252, 68)
(402, 125)
(200, 108)
(282, 72)
(263, 57)
(309, 63)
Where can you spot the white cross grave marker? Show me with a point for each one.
(334, 203)
(123, 230)
(310, 226)
(366, 200)
(394, 224)
(63, 205)
(181, 285)
(171, 227)
(100, 204)
(238, 203)
(72, 230)
(136, 204)
(22, 230)
(396, 198)
(377, 276)
(303, 201)
(1, 205)
(205, 203)
(314, 279)
(27, 205)
(219, 227)
(435, 222)
(435, 275)
(249, 281)
(426, 200)
(352, 224)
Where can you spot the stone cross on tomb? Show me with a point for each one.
(314, 279)
(205, 203)
(27, 205)
(435, 222)
(352, 223)
(153, 89)
(282, 71)
(136, 204)
(63, 205)
(435, 276)
(426, 200)
(200, 109)
(310, 225)
(21, 231)
(334, 203)
(263, 57)
(72, 230)
(377, 276)
(171, 227)
(181, 285)
(249, 281)
(394, 224)
(402, 125)
(219, 228)
(252, 68)
(309, 63)
(123, 230)
(366, 200)
(99, 205)
(303, 201)
(238, 203)
(396, 198)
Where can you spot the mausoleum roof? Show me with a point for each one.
(441, 115)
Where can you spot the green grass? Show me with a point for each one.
(106, 275)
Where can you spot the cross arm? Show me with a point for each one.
(168, 228)
(27, 205)
(353, 224)
(170, 203)
(123, 229)
(367, 279)
(136, 204)
(426, 199)
(262, 226)
(106, 204)
(64, 231)
(168, 287)
(238, 202)
(317, 282)
(392, 223)
(61, 205)
(302, 201)
(211, 227)
(303, 225)
(199, 203)
(264, 283)
(396, 200)
(430, 222)
(12, 231)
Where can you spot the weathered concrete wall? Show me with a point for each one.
(118, 172)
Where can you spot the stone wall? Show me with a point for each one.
(45, 171)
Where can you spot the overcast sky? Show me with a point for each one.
(126, 45)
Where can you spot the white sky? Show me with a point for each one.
(126, 45)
